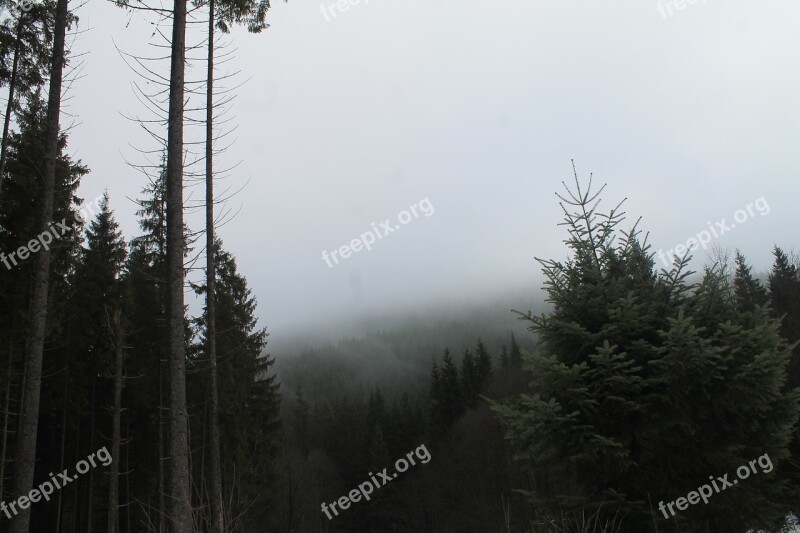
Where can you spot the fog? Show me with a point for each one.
(348, 120)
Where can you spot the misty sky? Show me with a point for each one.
(478, 107)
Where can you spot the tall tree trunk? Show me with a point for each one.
(180, 503)
(162, 508)
(76, 493)
(63, 442)
(29, 419)
(90, 496)
(217, 520)
(12, 85)
(127, 474)
(202, 489)
(113, 486)
(6, 413)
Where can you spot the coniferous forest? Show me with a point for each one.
(141, 390)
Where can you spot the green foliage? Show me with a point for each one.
(470, 382)
(248, 390)
(446, 396)
(515, 357)
(249, 13)
(32, 31)
(644, 385)
(784, 297)
(483, 366)
(504, 360)
(748, 290)
(66, 393)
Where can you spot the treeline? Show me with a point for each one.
(641, 386)
(333, 443)
(647, 385)
(105, 377)
(394, 354)
(97, 351)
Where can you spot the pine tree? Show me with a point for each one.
(18, 224)
(749, 291)
(96, 335)
(504, 360)
(248, 391)
(470, 384)
(435, 396)
(483, 366)
(147, 341)
(406, 426)
(515, 356)
(27, 33)
(98, 278)
(29, 417)
(636, 368)
(784, 296)
(300, 416)
(253, 14)
(376, 412)
(379, 449)
(450, 405)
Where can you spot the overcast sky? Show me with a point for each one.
(479, 107)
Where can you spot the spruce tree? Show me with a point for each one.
(483, 366)
(18, 225)
(451, 403)
(644, 386)
(515, 357)
(406, 426)
(784, 296)
(470, 384)
(36, 334)
(504, 360)
(95, 335)
(248, 391)
(147, 342)
(749, 291)
(435, 397)
(24, 62)
(300, 420)
(97, 279)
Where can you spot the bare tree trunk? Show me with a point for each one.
(162, 508)
(202, 489)
(29, 419)
(12, 85)
(217, 520)
(6, 412)
(76, 491)
(127, 473)
(90, 496)
(113, 486)
(180, 503)
(63, 441)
